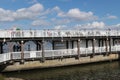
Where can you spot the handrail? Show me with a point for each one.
(54, 53)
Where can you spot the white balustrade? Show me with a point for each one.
(16, 55)
(55, 53)
(1, 57)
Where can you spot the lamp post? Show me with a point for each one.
(22, 52)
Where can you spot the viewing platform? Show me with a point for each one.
(49, 45)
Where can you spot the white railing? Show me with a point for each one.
(56, 33)
(4, 57)
(55, 53)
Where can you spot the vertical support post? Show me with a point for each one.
(78, 48)
(53, 45)
(43, 52)
(14, 48)
(38, 45)
(106, 44)
(99, 45)
(110, 40)
(22, 52)
(67, 46)
(93, 48)
(102, 42)
(113, 42)
(72, 44)
(86, 43)
(11, 50)
(1, 48)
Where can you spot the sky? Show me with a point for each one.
(60, 14)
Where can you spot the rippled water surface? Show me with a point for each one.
(97, 71)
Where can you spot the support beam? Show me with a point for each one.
(86, 43)
(22, 52)
(53, 43)
(42, 49)
(11, 50)
(93, 48)
(38, 46)
(110, 41)
(113, 42)
(102, 42)
(1, 48)
(67, 46)
(72, 44)
(106, 44)
(14, 48)
(43, 52)
(99, 45)
(78, 48)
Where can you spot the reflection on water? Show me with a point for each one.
(98, 71)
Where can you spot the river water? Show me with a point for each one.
(96, 71)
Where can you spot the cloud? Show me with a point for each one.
(60, 21)
(50, 11)
(62, 18)
(115, 26)
(53, 21)
(76, 14)
(93, 25)
(60, 27)
(23, 13)
(56, 9)
(36, 8)
(40, 23)
(38, 16)
(97, 24)
(111, 16)
(118, 25)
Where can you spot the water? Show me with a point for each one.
(97, 71)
